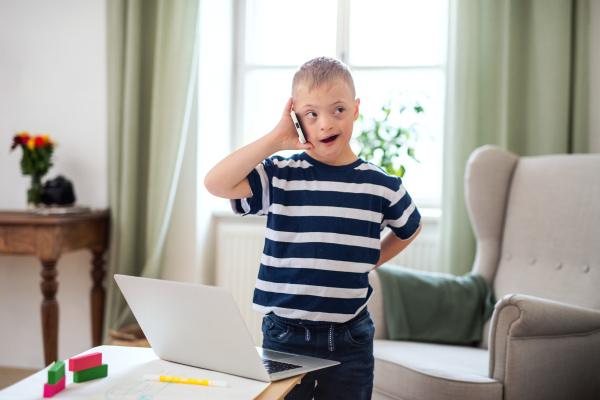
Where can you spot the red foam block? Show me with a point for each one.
(85, 362)
(51, 390)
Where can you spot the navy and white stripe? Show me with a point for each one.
(322, 236)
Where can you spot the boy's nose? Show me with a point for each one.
(326, 124)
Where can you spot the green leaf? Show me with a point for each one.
(387, 110)
(411, 154)
(401, 171)
(402, 132)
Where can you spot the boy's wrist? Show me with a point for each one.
(272, 142)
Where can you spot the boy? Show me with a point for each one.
(326, 209)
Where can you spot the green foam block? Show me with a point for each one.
(56, 373)
(90, 374)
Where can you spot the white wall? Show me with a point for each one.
(52, 80)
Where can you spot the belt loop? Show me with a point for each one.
(330, 338)
(307, 335)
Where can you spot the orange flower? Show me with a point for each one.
(31, 144)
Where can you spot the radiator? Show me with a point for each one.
(239, 248)
(239, 244)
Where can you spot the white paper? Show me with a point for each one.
(126, 368)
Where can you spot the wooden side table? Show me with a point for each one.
(47, 237)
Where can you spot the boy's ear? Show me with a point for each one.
(356, 104)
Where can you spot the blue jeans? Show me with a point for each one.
(350, 343)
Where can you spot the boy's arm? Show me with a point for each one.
(228, 179)
(392, 245)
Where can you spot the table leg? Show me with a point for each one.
(49, 311)
(98, 297)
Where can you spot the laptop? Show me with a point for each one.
(201, 326)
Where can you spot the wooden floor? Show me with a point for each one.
(8, 376)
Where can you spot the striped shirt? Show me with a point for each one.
(323, 233)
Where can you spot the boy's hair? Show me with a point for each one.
(322, 70)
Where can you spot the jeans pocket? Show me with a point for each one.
(273, 330)
(362, 333)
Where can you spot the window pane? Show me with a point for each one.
(265, 94)
(290, 33)
(398, 32)
(375, 88)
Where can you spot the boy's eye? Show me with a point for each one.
(339, 110)
(311, 114)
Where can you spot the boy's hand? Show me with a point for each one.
(285, 135)
(228, 179)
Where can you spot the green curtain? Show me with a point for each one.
(517, 78)
(152, 69)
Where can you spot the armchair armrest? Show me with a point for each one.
(543, 349)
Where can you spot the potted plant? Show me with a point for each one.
(36, 161)
(387, 138)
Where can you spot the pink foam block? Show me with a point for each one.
(85, 362)
(51, 390)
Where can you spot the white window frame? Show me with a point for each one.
(342, 53)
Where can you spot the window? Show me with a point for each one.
(391, 46)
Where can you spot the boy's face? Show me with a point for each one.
(327, 114)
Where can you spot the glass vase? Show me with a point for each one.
(34, 193)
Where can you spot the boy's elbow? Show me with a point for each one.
(211, 185)
(218, 188)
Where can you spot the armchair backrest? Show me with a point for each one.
(537, 224)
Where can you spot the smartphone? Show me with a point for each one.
(298, 128)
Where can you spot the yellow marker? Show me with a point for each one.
(175, 379)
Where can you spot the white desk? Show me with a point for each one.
(126, 367)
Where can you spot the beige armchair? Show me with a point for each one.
(537, 225)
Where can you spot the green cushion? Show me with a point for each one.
(435, 307)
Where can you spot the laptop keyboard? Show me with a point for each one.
(278, 366)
